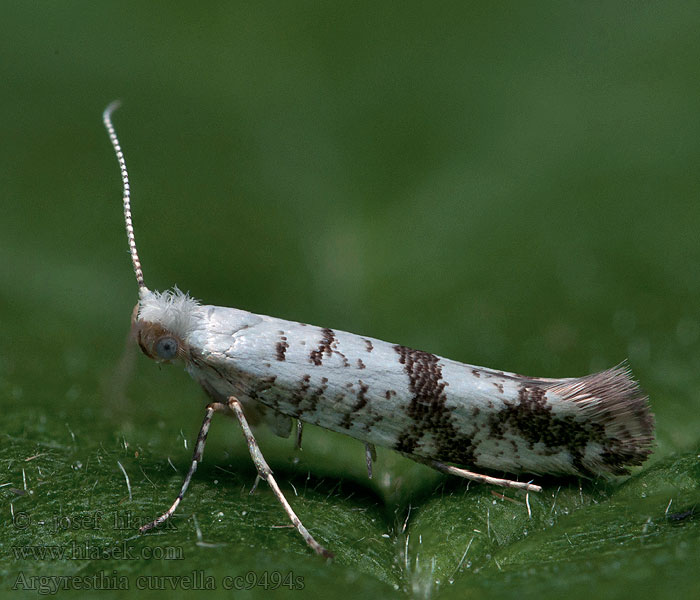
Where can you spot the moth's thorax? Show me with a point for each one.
(198, 330)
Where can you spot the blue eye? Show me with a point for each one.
(166, 348)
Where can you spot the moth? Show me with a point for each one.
(434, 410)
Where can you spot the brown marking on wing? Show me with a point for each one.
(324, 347)
(281, 348)
(362, 399)
(313, 396)
(532, 419)
(428, 410)
(373, 419)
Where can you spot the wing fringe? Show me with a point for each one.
(614, 401)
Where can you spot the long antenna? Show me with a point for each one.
(126, 197)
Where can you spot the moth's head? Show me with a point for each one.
(161, 323)
(157, 342)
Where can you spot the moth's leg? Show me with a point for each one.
(371, 456)
(198, 452)
(300, 431)
(449, 469)
(265, 472)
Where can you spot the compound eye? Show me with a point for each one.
(166, 348)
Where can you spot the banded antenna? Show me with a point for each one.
(126, 197)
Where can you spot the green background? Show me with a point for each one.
(512, 185)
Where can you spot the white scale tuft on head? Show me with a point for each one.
(173, 309)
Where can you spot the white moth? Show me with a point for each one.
(436, 411)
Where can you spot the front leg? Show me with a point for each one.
(196, 459)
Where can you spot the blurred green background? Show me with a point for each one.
(513, 185)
